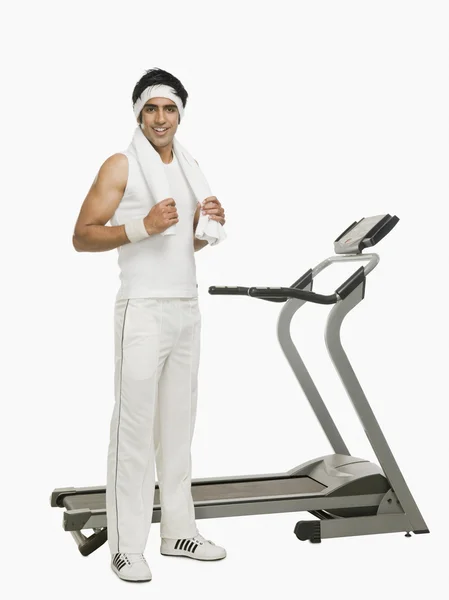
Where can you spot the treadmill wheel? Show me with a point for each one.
(308, 530)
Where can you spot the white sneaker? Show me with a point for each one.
(131, 567)
(196, 547)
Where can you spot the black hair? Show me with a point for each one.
(159, 76)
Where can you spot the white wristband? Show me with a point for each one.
(135, 230)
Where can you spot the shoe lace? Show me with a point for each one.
(199, 538)
(134, 558)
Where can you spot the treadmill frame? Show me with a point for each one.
(396, 509)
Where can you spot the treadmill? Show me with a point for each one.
(348, 496)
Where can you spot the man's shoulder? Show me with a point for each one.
(115, 167)
(118, 160)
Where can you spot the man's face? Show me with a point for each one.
(156, 114)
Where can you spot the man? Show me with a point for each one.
(157, 336)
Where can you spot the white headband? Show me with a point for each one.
(157, 91)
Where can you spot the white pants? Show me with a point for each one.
(157, 346)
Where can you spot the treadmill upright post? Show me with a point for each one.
(303, 376)
(364, 410)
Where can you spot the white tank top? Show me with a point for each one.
(160, 266)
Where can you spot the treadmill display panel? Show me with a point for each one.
(367, 232)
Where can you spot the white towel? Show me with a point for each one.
(153, 170)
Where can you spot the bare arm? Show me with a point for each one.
(91, 232)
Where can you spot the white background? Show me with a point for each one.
(304, 116)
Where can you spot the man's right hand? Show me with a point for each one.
(162, 216)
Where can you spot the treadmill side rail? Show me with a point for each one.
(58, 494)
(75, 520)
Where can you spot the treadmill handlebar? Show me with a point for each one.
(278, 294)
(281, 294)
(285, 292)
(228, 291)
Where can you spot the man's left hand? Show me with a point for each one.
(213, 209)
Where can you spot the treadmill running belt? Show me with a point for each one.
(216, 492)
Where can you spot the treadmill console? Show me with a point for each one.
(364, 233)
